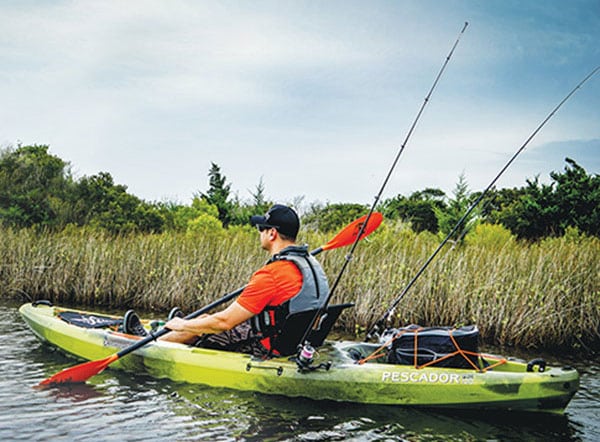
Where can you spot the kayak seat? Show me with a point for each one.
(292, 331)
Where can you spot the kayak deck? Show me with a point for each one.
(506, 386)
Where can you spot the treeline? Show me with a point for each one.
(38, 189)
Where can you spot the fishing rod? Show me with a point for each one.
(387, 178)
(390, 311)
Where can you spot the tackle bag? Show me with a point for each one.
(433, 344)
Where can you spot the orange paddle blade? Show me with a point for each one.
(81, 372)
(348, 235)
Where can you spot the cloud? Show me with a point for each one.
(316, 97)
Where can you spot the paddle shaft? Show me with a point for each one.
(164, 330)
(205, 309)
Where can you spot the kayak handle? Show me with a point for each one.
(41, 302)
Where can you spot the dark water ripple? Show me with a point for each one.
(121, 406)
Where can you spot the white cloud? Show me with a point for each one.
(134, 87)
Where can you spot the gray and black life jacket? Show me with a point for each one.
(312, 295)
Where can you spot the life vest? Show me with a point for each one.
(312, 295)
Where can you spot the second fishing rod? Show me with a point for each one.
(372, 212)
(381, 323)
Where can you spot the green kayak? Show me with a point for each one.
(335, 373)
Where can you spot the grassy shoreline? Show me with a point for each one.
(543, 295)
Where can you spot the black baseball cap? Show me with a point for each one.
(281, 217)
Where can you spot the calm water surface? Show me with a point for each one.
(128, 407)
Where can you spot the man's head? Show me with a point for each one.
(281, 218)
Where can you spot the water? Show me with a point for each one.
(124, 406)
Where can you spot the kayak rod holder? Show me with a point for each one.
(304, 367)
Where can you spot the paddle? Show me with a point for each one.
(82, 372)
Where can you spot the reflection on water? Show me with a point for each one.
(72, 392)
(124, 406)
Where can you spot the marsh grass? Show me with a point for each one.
(540, 295)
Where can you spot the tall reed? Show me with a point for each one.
(545, 294)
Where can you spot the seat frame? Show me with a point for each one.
(287, 340)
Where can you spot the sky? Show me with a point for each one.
(312, 98)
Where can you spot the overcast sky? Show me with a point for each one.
(312, 97)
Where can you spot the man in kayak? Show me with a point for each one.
(292, 281)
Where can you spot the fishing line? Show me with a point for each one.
(387, 178)
(381, 322)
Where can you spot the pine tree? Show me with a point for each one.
(218, 193)
(449, 216)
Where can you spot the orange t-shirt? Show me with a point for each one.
(271, 285)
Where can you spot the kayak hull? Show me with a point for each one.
(506, 386)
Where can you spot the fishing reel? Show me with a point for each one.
(375, 332)
(305, 359)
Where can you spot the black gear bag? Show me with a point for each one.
(437, 346)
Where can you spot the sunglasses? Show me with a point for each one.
(263, 227)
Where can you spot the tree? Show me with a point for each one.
(218, 194)
(259, 202)
(495, 201)
(37, 189)
(532, 215)
(99, 202)
(33, 185)
(456, 208)
(418, 209)
(577, 197)
(242, 211)
(571, 200)
(331, 217)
